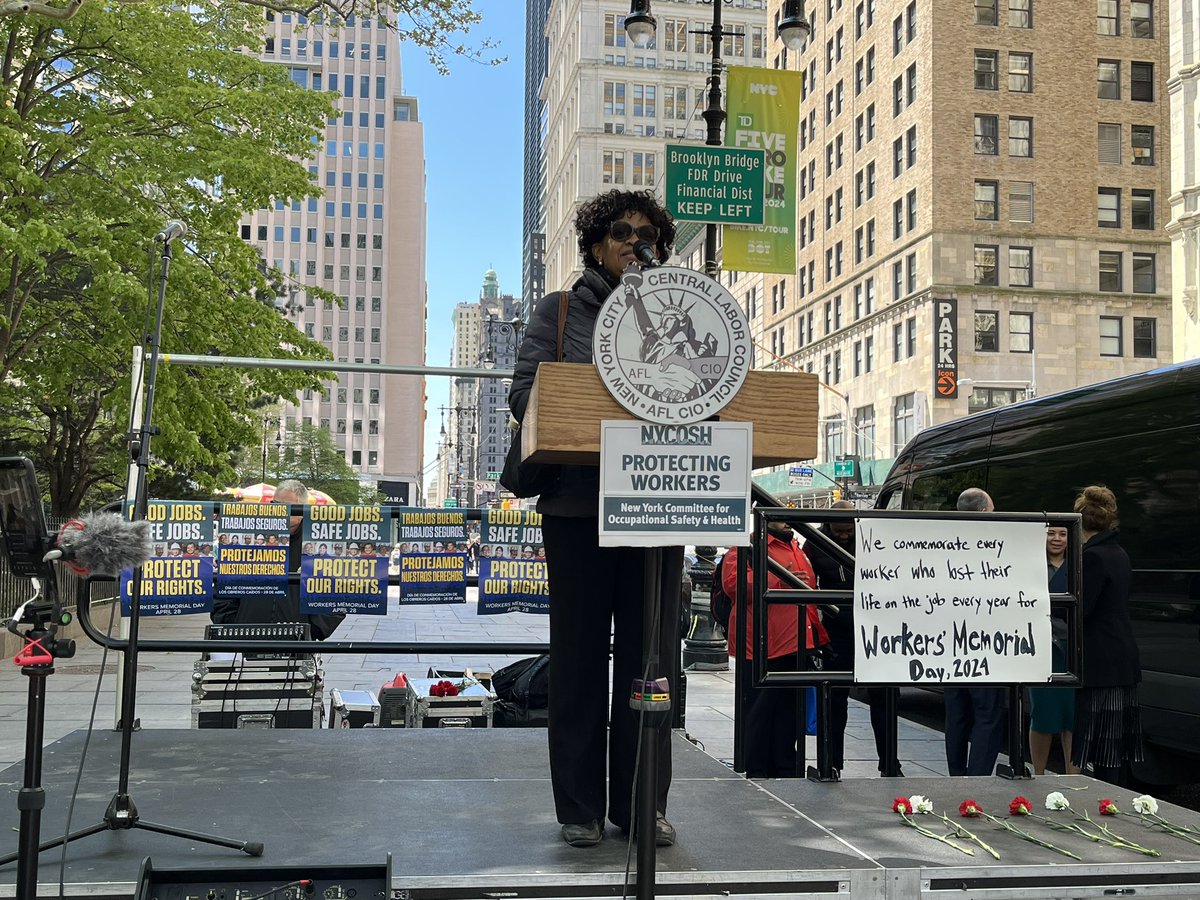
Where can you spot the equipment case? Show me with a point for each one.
(471, 708)
(230, 691)
(353, 709)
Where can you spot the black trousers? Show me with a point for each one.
(595, 591)
(975, 728)
(772, 718)
(839, 713)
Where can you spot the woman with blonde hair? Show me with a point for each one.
(1108, 728)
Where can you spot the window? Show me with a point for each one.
(987, 201)
(985, 264)
(910, 146)
(1143, 273)
(985, 135)
(1020, 137)
(1141, 21)
(1019, 14)
(985, 12)
(1145, 343)
(1110, 336)
(1141, 81)
(1141, 209)
(987, 331)
(1108, 19)
(904, 410)
(614, 30)
(614, 167)
(1020, 332)
(834, 438)
(1108, 207)
(1142, 140)
(897, 219)
(1110, 270)
(614, 98)
(864, 422)
(993, 398)
(1020, 72)
(1108, 143)
(1020, 201)
(1020, 267)
(910, 273)
(1108, 78)
(985, 70)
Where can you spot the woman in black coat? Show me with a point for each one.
(597, 591)
(1108, 728)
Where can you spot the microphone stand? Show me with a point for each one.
(121, 812)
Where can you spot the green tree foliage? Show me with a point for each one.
(308, 454)
(111, 123)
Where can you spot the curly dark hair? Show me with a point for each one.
(594, 217)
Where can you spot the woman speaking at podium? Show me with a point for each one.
(597, 590)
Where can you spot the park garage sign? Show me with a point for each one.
(671, 345)
(945, 338)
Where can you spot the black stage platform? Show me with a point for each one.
(468, 814)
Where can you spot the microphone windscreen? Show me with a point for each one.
(106, 543)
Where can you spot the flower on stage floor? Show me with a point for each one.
(1147, 809)
(1102, 835)
(969, 809)
(905, 807)
(1108, 807)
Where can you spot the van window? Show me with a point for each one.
(893, 498)
(941, 490)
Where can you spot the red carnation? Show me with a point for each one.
(1108, 807)
(901, 805)
(970, 809)
(1019, 807)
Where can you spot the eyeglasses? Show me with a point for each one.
(621, 230)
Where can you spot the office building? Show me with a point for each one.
(982, 194)
(1184, 226)
(611, 107)
(363, 239)
(533, 245)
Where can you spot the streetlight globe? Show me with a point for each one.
(793, 28)
(639, 24)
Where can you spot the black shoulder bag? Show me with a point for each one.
(529, 479)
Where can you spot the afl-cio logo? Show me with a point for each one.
(671, 345)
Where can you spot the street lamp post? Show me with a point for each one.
(793, 30)
(267, 420)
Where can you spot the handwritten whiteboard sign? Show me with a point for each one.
(951, 602)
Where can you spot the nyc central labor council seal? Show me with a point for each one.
(671, 345)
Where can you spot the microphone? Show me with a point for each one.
(104, 543)
(174, 229)
(646, 253)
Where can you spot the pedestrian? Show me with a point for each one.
(597, 591)
(1052, 709)
(771, 720)
(974, 715)
(835, 575)
(1108, 722)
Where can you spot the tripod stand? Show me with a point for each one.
(121, 812)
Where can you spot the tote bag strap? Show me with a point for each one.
(563, 299)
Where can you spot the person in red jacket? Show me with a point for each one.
(771, 722)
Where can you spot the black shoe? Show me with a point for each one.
(664, 832)
(589, 834)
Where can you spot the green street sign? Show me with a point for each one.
(843, 468)
(493, 476)
(450, 502)
(715, 184)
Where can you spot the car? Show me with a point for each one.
(1140, 436)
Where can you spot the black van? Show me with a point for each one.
(1140, 435)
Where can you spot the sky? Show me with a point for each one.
(474, 136)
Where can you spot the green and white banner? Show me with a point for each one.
(764, 114)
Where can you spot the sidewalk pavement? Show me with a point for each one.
(164, 682)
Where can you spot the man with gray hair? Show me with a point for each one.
(974, 715)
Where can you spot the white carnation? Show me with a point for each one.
(1057, 800)
(1145, 804)
(921, 804)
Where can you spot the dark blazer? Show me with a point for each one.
(833, 575)
(1110, 653)
(577, 490)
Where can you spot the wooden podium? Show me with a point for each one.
(568, 401)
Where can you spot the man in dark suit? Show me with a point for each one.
(974, 715)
